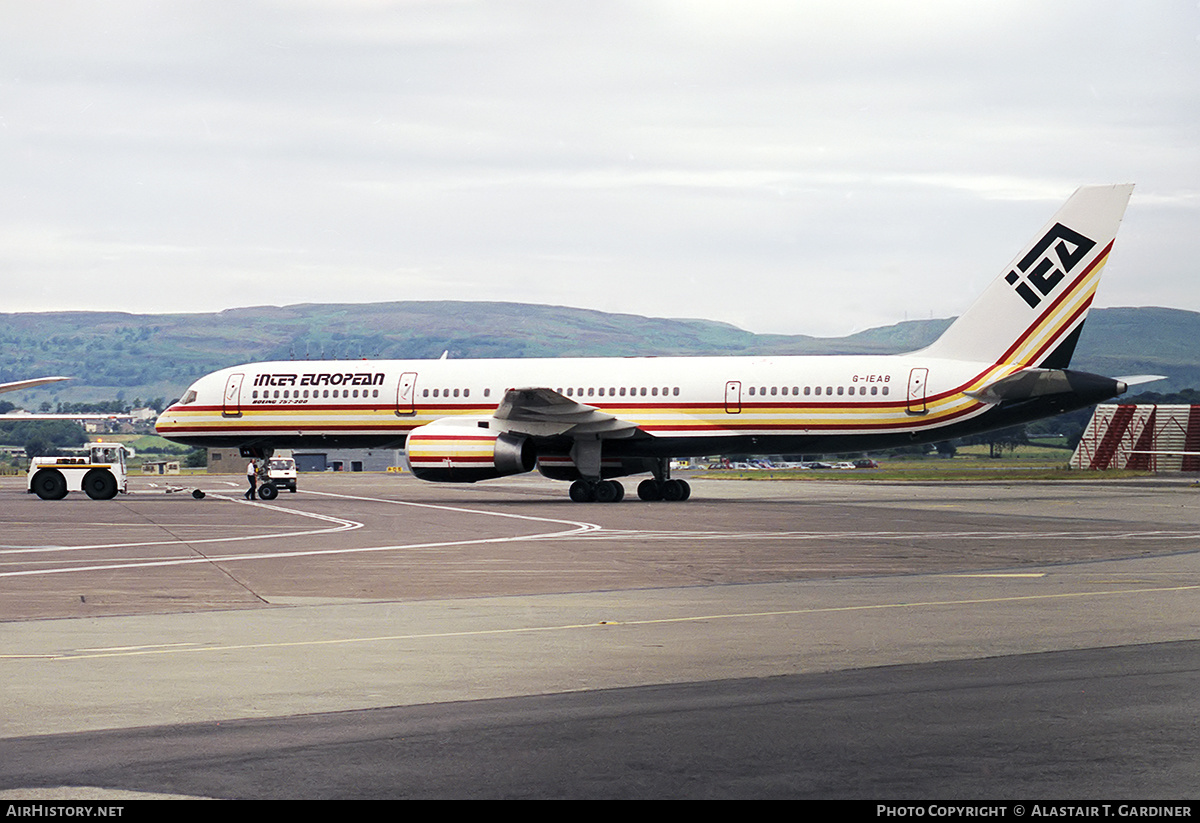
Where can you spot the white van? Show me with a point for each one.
(281, 473)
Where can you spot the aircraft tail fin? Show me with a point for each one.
(1032, 314)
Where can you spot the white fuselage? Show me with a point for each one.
(694, 399)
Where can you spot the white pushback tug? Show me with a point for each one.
(100, 474)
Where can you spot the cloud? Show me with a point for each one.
(790, 167)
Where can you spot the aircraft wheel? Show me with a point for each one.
(267, 491)
(649, 490)
(609, 491)
(674, 490)
(687, 489)
(99, 484)
(582, 492)
(198, 494)
(49, 484)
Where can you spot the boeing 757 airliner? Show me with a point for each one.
(587, 420)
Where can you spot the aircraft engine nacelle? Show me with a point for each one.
(461, 451)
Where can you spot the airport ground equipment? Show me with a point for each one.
(100, 474)
(281, 473)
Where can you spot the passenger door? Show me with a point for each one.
(733, 397)
(406, 394)
(917, 379)
(232, 404)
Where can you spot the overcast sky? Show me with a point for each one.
(792, 167)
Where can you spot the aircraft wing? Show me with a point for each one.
(540, 412)
(21, 415)
(29, 384)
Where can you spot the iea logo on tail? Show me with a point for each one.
(1044, 270)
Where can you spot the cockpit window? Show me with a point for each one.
(188, 397)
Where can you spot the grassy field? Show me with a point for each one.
(946, 470)
(971, 463)
(1021, 453)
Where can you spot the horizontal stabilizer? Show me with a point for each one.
(1139, 379)
(1029, 383)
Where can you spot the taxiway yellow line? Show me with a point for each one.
(91, 655)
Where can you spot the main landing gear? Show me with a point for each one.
(670, 490)
(610, 491)
(660, 487)
(597, 491)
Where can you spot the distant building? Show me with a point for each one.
(1147, 437)
(226, 461)
(230, 461)
(348, 460)
(160, 467)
